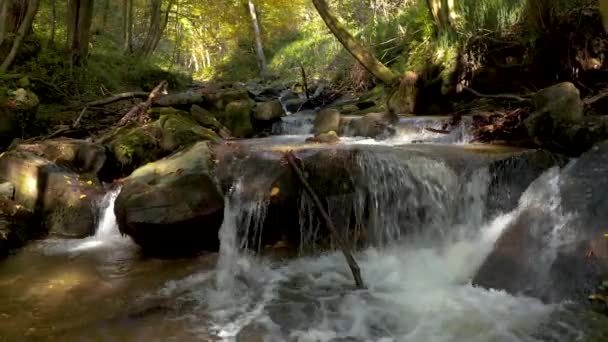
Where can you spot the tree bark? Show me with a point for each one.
(127, 12)
(154, 27)
(24, 29)
(53, 21)
(104, 17)
(604, 13)
(369, 61)
(79, 20)
(3, 20)
(441, 12)
(259, 48)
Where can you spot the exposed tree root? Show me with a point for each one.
(510, 97)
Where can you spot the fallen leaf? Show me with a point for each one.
(275, 191)
(90, 182)
(83, 196)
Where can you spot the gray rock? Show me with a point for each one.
(172, 206)
(268, 111)
(327, 120)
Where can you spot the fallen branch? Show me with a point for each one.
(137, 112)
(591, 100)
(354, 268)
(118, 97)
(439, 131)
(510, 97)
(77, 121)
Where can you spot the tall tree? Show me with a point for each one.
(127, 21)
(369, 61)
(53, 21)
(79, 20)
(24, 28)
(441, 12)
(158, 24)
(257, 32)
(3, 20)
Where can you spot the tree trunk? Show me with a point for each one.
(259, 48)
(104, 18)
(53, 21)
(3, 20)
(24, 29)
(158, 24)
(79, 20)
(127, 17)
(369, 61)
(604, 13)
(441, 12)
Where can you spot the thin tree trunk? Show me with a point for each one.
(104, 18)
(154, 27)
(369, 61)
(208, 58)
(259, 48)
(3, 20)
(127, 12)
(53, 21)
(24, 29)
(441, 12)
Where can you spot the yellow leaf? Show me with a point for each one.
(69, 182)
(606, 236)
(275, 191)
(90, 182)
(66, 177)
(83, 196)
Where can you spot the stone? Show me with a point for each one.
(326, 120)
(17, 111)
(134, 147)
(330, 137)
(64, 200)
(7, 190)
(373, 125)
(206, 119)
(526, 258)
(172, 206)
(268, 111)
(237, 117)
(294, 105)
(17, 226)
(78, 155)
(557, 109)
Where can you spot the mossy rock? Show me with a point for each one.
(237, 117)
(134, 147)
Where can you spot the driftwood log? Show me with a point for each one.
(138, 112)
(352, 263)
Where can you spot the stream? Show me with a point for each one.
(419, 286)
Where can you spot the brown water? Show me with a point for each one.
(97, 294)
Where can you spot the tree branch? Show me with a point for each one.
(352, 263)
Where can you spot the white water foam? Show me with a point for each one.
(415, 292)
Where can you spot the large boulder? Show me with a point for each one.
(268, 111)
(555, 248)
(172, 206)
(78, 155)
(206, 119)
(63, 199)
(17, 110)
(558, 122)
(237, 117)
(327, 120)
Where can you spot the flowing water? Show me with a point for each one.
(429, 231)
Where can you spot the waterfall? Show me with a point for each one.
(107, 226)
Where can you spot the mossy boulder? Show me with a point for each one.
(172, 206)
(268, 111)
(17, 111)
(237, 117)
(136, 146)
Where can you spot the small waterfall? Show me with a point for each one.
(401, 194)
(300, 123)
(107, 227)
(243, 219)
